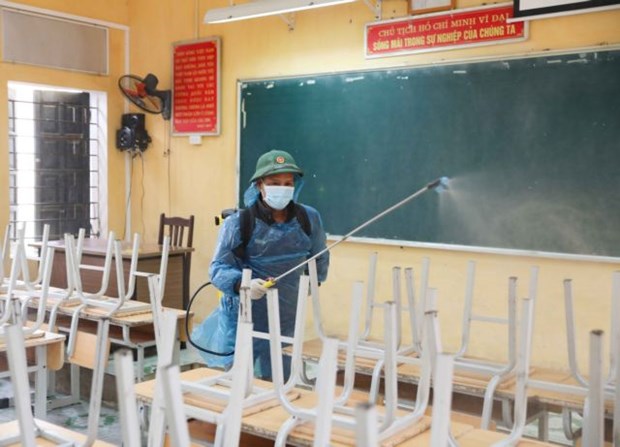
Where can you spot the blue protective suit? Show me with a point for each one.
(273, 249)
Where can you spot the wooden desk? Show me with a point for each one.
(473, 385)
(44, 351)
(468, 383)
(149, 259)
(130, 331)
(478, 438)
(265, 422)
(10, 429)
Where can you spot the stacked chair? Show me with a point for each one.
(20, 295)
(15, 326)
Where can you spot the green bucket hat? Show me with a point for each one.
(275, 162)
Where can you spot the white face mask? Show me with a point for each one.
(277, 197)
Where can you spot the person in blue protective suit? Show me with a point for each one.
(279, 241)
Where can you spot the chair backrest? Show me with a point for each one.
(181, 232)
(180, 229)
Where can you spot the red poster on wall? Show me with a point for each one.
(486, 25)
(196, 91)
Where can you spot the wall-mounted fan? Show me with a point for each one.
(143, 93)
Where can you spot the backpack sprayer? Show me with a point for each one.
(439, 185)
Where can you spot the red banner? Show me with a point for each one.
(441, 31)
(196, 94)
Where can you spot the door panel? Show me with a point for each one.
(62, 167)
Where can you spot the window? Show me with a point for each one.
(57, 160)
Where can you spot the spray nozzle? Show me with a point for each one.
(440, 185)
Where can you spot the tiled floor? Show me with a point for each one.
(75, 417)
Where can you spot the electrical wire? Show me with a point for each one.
(142, 197)
(168, 156)
(189, 338)
(128, 196)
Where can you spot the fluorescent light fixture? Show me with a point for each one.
(261, 8)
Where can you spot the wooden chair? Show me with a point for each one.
(181, 232)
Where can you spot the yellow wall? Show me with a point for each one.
(201, 180)
(116, 12)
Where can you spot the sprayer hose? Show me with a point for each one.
(189, 338)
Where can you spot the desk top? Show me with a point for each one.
(97, 247)
(12, 429)
(142, 318)
(478, 438)
(267, 422)
(133, 320)
(54, 343)
(39, 338)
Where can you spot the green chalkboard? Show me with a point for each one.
(532, 147)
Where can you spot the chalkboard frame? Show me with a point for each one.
(422, 244)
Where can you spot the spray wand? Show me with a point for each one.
(441, 184)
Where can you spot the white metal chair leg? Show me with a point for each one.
(9, 313)
(391, 379)
(164, 325)
(570, 333)
(594, 405)
(316, 300)
(133, 268)
(21, 245)
(96, 393)
(75, 320)
(413, 312)
(326, 385)
(373, 392)
(523, 366)
(432, 343)
(285, 430)
(234, 410)
(442, 400)
(123, 362)
(297, 363)
(396, 293)
(422, 304)
(366, 425)
(370, 294)
(45, 283)
(16, 354)
(487, 408)
(352, 340)
(175, 414)
(106, 269)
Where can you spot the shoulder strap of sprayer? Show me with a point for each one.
(247, 218)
